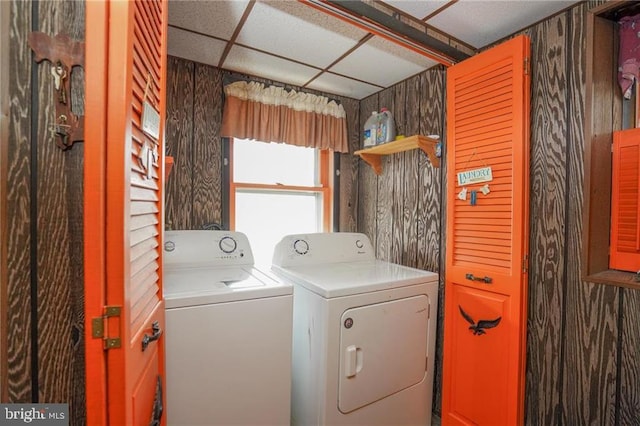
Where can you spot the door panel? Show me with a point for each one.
(383, 349)
(126, 65)
(143, 394)
(487, 240)
(479, 353)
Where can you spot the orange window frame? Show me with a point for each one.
(325, 165)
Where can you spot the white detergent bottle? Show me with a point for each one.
(370, 130)
(386, 131)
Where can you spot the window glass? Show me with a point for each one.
(265, 217)
(273, 163)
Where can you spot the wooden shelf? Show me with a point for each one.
(373, 155)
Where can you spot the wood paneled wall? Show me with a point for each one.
(583, 340)
(402, 209)
(194, 191)
(45, 312)
(577, 330)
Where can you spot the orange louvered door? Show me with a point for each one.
(487, 237)
(125, 71)
(625, 204)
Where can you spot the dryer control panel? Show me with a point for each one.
(316, 248)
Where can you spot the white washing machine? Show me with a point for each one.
(228, 333)
(363, 333)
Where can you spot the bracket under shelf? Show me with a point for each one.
(373, 155)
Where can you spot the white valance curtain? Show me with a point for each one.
(273, 114)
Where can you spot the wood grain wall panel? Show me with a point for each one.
(18, 314)
(385, 201)
(629, 387)
(432, 201)
(431, 194)
(53, 236)
(599, 383)
(398, 243)
(367, 181)
(595, 3)
(347, 221)
(60, 293)
(591, 345)
(548, 216)
(411, 126)
(5, 10)
(206, 154)
(576, 55)
(179, 137)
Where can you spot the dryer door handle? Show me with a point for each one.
(352, 360)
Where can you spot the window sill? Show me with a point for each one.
(613, 277)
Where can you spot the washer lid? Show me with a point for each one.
(202, 286)
(344, 279)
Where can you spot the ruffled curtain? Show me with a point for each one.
(273, 114)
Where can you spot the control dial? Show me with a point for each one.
(359, 244)
(228, 244)
(301, 246)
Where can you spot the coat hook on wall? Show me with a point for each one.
(63, 53)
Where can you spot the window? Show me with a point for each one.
(606, 113)
(278, 189)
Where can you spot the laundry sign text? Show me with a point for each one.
(475, 176)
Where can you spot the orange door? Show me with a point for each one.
(125, 70)
(487, 237)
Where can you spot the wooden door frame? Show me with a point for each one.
(5, 11)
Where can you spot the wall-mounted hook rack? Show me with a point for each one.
(63, 53)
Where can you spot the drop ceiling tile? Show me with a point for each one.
(332, 83)
(216, 18)
(382, 62)
(417, 9)
(296, 31)
(194, 47)
(468, 20)
(270, 67)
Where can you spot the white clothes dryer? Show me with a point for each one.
(228, 333)
(363, 333)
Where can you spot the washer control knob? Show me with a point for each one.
(228, 244)
(301, 246)
(359, 243)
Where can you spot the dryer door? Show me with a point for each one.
(383, 349)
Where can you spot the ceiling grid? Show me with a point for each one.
(348, 48)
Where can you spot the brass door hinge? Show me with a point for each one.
(525, 263)
(527, 66)
(100, 330)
